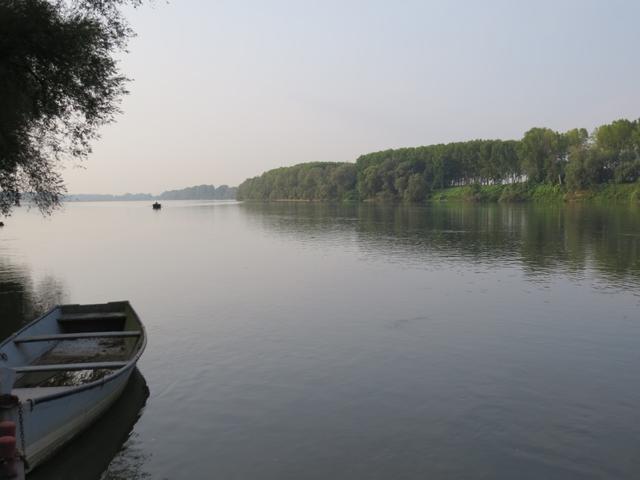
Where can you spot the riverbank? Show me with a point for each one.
(627, 192)
(513, 193)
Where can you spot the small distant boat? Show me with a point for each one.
(62, 371)
(157, 206)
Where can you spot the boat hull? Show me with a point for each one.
(50, 425)
(65, 380)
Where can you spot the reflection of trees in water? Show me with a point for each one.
(22, 300)
(576, 236)
(542, 238)
(301, 219)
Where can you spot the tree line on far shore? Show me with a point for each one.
(573, 160)
(198, 192)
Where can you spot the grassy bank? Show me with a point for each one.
(629, 192)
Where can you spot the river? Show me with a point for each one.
(315, 341)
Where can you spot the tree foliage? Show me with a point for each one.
(306, 181)
(543, 156)
(200, 192)
(59, 82)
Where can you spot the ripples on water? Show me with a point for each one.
(355, 341)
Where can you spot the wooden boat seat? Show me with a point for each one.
(70, 367)
(77, 336)
(83, 317)
(92, 322)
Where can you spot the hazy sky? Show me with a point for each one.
(224, 90)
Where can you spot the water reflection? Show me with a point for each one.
(22, 300)
(359, 341)
(542, 238)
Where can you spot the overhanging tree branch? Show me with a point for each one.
(59, 83)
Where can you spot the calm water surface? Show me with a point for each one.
(297, 341)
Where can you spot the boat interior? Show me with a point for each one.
(71, 346)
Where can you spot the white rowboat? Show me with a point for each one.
(64, 370)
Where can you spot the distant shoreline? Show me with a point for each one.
(78, 200)
(198, 192)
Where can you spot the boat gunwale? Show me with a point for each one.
(131, 363)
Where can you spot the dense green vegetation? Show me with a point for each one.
(544, 164)
(200, 192)
(306, 181)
